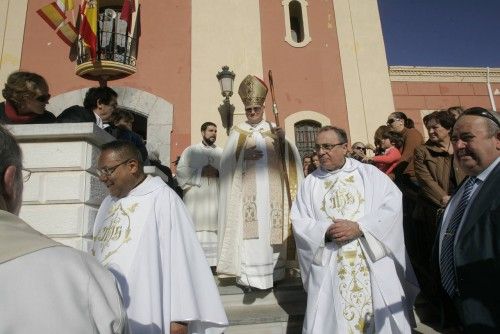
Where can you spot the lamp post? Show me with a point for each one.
(226, 80)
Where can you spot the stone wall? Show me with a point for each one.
(63, 194)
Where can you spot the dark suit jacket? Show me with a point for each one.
(76, 114)
(477, 260)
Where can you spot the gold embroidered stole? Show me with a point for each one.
(249, 188)
(344, 198)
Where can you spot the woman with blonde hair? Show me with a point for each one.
(26, 95)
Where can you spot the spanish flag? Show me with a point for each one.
(67, 32)
(88, 26)
(66, 5)
(52, 14)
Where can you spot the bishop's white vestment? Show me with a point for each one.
(201, 194)
(147, 240)
(253, 206)
(366, 285)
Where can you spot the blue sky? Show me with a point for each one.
(441, 32)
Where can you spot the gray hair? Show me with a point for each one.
(126, 150)
(493, 128)
(341, 135)
(10, 155)
(10, 152)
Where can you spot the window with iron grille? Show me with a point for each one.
(305, 136)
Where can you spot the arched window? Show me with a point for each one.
(305, 136)
(296, 22)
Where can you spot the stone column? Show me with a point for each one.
(364, 67)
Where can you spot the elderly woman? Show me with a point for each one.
(438, 175)
(26, 95)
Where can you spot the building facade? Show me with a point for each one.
(327, 58)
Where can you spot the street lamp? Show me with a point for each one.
(226, 80)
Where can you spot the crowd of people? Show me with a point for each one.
(373, 225)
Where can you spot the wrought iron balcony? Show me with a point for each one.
(116, 57)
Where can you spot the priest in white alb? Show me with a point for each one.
(253, 204)
(198, 176)
(347, 222)
(144, 235)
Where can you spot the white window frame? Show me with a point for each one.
(305, 22)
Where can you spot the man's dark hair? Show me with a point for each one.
(10, 155)
(442, 117)
(341, 135)
(125, 149)
(205, 125)
(394, 137)
(102, 94)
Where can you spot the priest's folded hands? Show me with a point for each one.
(343, 230)
(253, 153)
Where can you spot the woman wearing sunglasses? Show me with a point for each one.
(26, 95)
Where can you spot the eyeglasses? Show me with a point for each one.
(483, 113)
(26, 174)
(43, 98)
(359, 148)
(107, 171)
(391, 120)
(326, 147)
(254, 109)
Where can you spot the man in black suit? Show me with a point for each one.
(98, 105)
(468, 249)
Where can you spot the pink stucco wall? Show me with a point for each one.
(163, 65)
(307, 78)
(412, 97)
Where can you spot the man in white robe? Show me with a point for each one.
(347, 222)
(47, 287)
(144, 235)
(198, 176)
(253, 205)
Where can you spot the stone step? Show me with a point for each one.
(286, 292)
(281, 310)
(274, 311)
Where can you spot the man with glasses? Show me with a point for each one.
(468, 254)
(347, 224)
(47, 287)
(253, 205)
(144, 235)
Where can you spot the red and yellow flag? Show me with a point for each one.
(67, 32)
(88, 26)
(66, 5)
(52, 14)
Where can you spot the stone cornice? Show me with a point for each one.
(442, 74)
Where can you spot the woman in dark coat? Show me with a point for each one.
(26, 95)
(404, 174)
(438, 175)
